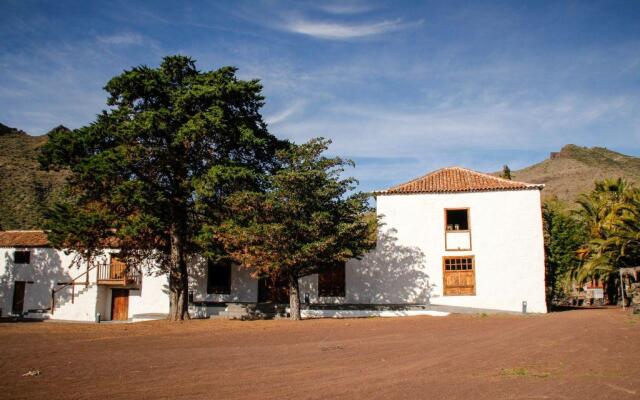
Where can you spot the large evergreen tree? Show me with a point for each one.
(137, 171)
(308, 220)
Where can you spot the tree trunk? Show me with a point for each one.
(294, 298)
(178, 279)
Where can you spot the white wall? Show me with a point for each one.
(48, 266)
(244, 288)
(151, 298)
(406, 266)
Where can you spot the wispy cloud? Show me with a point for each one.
(121, 39)
(342, 8)
(340, 31)
(380, 132)
(284, 114)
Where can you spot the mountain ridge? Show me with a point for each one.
(572, 171)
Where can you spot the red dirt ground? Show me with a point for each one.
(567, 355)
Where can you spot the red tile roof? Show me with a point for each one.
(39, 239)
(457, 179)
(23, 239)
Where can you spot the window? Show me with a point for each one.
(22, 257)
(218, 278)
(331, 282)
(458, 264)
(459, 276)
(457, 220)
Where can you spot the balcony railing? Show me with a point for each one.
(118, 273)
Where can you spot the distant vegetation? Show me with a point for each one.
(25, 190)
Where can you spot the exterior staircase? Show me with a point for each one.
(77, 306)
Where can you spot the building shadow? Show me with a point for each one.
(41, 275)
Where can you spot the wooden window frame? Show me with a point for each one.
(333, 291)
(211, 289)
(22, 252)
(473, 265)
(467, 209)
(468, 230)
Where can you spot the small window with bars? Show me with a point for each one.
(458, 264)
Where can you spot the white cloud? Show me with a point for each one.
(375, 131)
(338, 31)
(284, 114)
(344, 8)
(121, 39)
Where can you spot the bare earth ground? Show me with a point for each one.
(574, 355)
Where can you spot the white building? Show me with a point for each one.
(34, 278)
(453, 239)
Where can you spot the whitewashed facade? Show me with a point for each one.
(26, 287)
(503, 240)
(454, 238)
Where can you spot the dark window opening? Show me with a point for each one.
(457, 220)
(22, 257)
(331, 282)
(218, 278)
(458, 264)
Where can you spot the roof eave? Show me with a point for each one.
(389, 193)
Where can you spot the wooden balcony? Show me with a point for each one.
(119, 274)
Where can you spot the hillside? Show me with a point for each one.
(24, 190)
(573, 169)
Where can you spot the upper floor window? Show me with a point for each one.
(331, 282)
(457, 219)
(22, 257)
(218, 278)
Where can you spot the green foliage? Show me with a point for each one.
(611, 214)
(307, 221)
(506, 172)
(173, 139)
(565, 235)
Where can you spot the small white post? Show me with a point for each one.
(622, 288)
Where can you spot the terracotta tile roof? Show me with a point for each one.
(457, 179)
(39, 239)
(23, 239)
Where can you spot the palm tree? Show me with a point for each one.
(611, 213)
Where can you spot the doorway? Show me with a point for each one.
(18, 297)
(119, 304)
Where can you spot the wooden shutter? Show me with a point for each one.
(459, 275)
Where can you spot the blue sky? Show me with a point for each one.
(401, 87)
